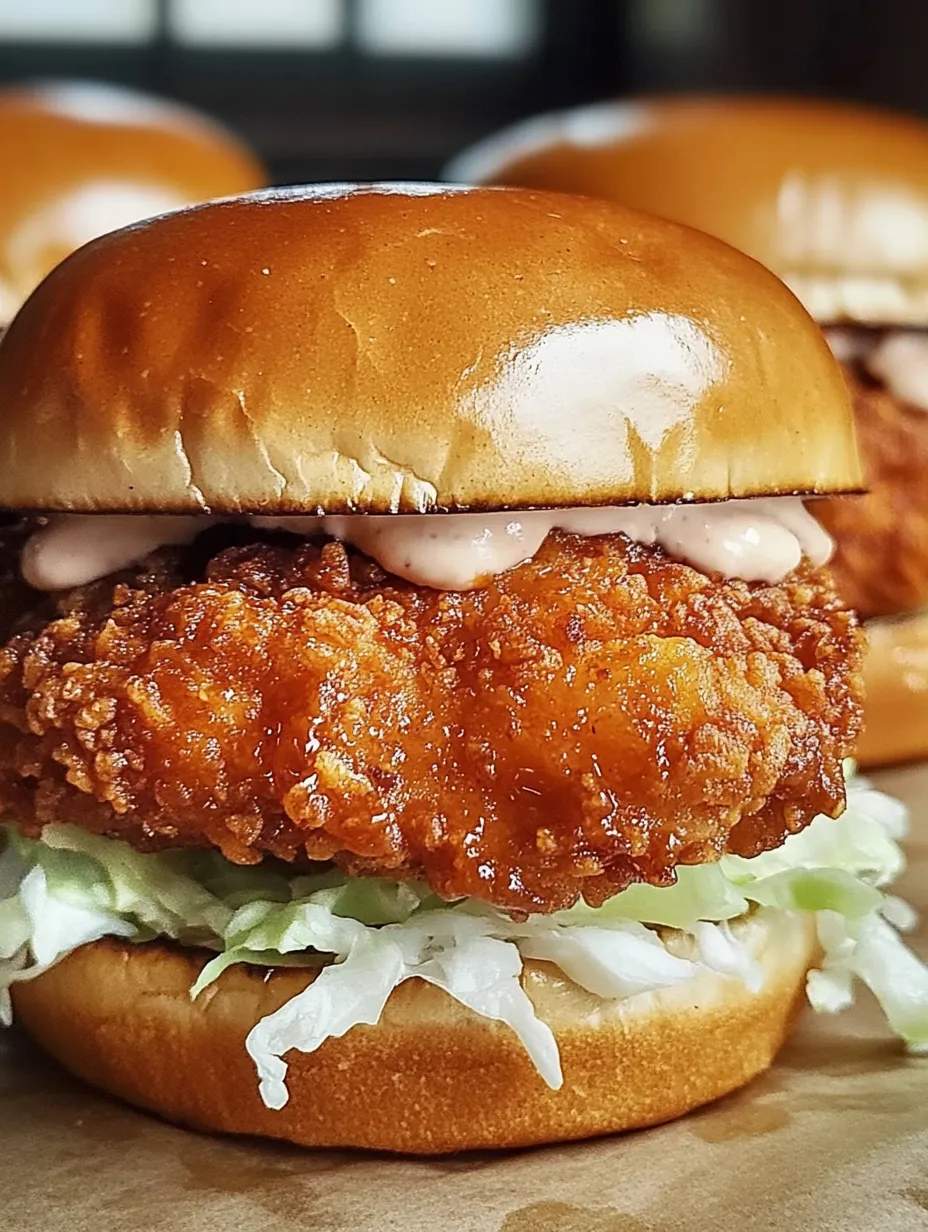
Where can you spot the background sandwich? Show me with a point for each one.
(81, 158)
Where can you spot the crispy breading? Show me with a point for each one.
(881, 559)
(596, 716)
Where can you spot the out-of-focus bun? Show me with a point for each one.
(81, 158)
(832, 197)
(896, 681)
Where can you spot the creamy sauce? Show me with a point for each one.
(900, 361)
(897, 358)
(76, 548)
(849, 345)
(759, 540)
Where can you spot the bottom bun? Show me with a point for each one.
(432, 1076)
(896, 680)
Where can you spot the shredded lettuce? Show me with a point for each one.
(366, 936)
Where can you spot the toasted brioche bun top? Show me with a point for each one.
(413, 349)
(832, 197)
(81, 158)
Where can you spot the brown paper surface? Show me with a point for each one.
(833, 1139)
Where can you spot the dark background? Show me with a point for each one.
(356, 113)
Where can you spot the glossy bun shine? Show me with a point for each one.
(411, 349)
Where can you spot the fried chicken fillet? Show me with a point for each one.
(881, 559)
(594, 717)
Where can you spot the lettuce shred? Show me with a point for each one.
(367, 935)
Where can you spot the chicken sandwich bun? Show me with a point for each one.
(427, 719)
(834, 199)
(82, 158)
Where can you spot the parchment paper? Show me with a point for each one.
(833, 1139)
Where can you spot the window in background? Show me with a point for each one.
(495, 29)
(258, 24)
(85, 21)
(673, 25)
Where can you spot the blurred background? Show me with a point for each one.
(362, 89)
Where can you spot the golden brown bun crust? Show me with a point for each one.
(831, 196)
(431, 1077)
(334, 350)
(896, 682)
(81, 158)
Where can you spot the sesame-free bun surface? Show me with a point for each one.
(384, 350)
(81, 158)
(831, 196)
(896, 692)
(432, 1076)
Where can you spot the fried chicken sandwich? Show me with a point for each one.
(425, 724)
(834, 199)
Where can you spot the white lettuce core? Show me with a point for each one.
(368, 935)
